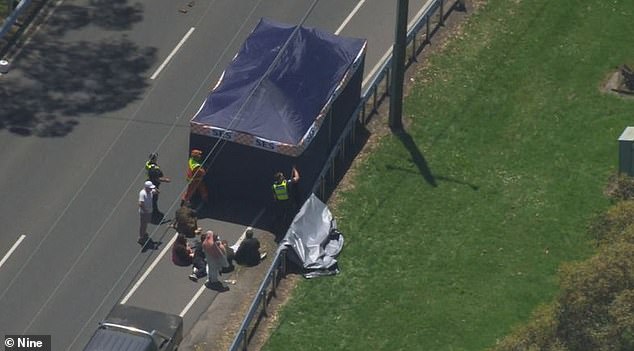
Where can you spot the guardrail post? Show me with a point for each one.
(374, 97)
(245, 342)
(343, 147)
(322, 188)
(329, 117)
(332, 170)
(352, 137)
(442, 13)
(274, 277)
(263, 297)
(363, 112)
(283, 262)
(413, 58)
(427, 40)
(388, 73)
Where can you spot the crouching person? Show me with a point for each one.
(199, 263)
(182, 254)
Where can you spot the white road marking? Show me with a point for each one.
(168, 246)
(169, 57)
(345, 22)
(15, 246)
(191, 302)
(241, 238)
(376, 67)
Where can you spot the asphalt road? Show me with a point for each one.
(89, 96)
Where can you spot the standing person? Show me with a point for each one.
(248, 252)
(284, 205)
(156, 176)
(216, 256)
(145, 210)
(195, 175)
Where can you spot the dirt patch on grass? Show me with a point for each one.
(615, 83)
(620, 188)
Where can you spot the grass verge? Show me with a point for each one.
(4, 11)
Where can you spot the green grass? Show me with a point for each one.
(510, 121)
(3, 11)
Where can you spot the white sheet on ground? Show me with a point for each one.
(314, 238)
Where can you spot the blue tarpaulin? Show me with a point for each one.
(279, 87)
(283, 101)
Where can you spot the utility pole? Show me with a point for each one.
(398, 66)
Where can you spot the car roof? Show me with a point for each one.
(145, 319)
(106, 339)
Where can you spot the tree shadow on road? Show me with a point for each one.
(56, 80)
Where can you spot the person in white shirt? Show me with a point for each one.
(145, 210)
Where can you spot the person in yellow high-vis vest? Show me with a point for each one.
(156, 176)
(283, 197)
(195, 175)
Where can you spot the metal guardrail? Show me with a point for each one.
(10, 21)
(258, 306)
(371, 97)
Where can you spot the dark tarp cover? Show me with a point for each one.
(277, 90)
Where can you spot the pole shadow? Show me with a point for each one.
(417, 156)
(421, 163)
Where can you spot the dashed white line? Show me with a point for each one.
(169, 57)
(191, 302)
(345, 22)
(168, 246)
(15, 246)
